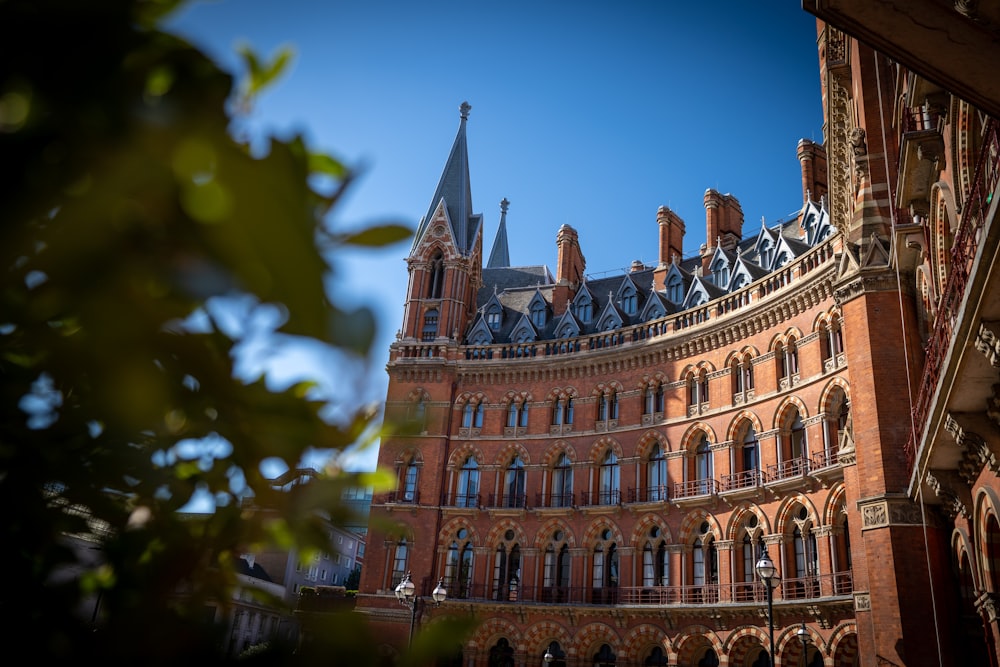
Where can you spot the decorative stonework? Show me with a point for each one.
(977, 452)
(988, 605)
(862, 602)
(875, 515)
(943, 483)
(881, 282)
(885, 512)
(840, 158)
(988, 343)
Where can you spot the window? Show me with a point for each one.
(514, 484)
(399, 563)
(585, 311)
(507, 569)
(629, 301)
(703, 465)
(468, 484)
(494, 317)
(675, 289)
(610, 479)
(750, 450)
(569, 410)
(538, 314)
(797, 438)
(429, 332)
(458, 566)
(605, 570)
(436, 276)
(655, 560)
(720, 273)
(512, 411)
(653, 400)
(656, 475)
(409, 482)
(522, 420)
(562, 482)
(765, 254)
(467, 416)
(556, 569)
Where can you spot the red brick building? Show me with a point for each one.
(593, 467)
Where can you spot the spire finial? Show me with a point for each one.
(504, 204)
(465, 109)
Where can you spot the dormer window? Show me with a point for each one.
(720, 273)
(538, 314)
(765, 254)
(782, 260)
(629, 301)
(584, 311)
(675, 289)
(493, 318)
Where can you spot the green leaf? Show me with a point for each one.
(378, 236)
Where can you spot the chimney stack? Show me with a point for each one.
(570, 266)
(671, 243)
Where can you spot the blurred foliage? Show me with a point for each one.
(127, 206)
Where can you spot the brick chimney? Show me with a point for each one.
(812, 158)
(671, 243)
(731, 225)
(713, 227)
(569, 268)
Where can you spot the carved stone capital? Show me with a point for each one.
(988, 342)
(952, 491)
(988, 604)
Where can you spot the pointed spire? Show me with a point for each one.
(500, 256)
(456, 190)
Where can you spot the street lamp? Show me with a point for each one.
(768, 573)
(406, 593)
(803, 636)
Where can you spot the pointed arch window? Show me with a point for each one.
(605, 570)
(538, 314)
(653, 399)
(562, 482)
(430, 328)
(400, 557)
(610, 480)
(408, 474)
(514, 484)
(605, 657)
(507, 571)
(703, 466)
(556, 569)
(675, 289)
(458, 567)
(750, 450)
(585, 311)
(468, 484)
(494, 317)
(629, 300)
(797, 437)
(720, 273)
(766, 252)
(436, 282)
(656, 475)
(655, 560)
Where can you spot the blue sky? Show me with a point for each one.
(585, 113)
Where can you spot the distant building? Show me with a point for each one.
(594, 467)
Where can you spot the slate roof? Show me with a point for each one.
(515, 287)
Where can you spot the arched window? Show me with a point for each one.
(436, 276)
(655, 560)
(507, 570)
(538, 314)
(569, 410)
(675, 289)
(522, 418)
(494, 317)
(604, 657)
(647, 402)
(703, 471)
(517, 413)
(514, 484)
(558, 412)
(501, 654)
(408, 482)
(797, 437)
(562, 482)
(399, 561)
(467, 412)
(602, 408)
(613, 405)
(750, 451)
(629, 301)
(610, 480)
(605, 570)
(720, 273)
(556, 569)
(468, 484)
(584, 311)
(656, 475)
(458, 567)
(703, 386)
(430, 328)
(477, 421)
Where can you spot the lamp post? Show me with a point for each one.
(406, 593)
(768, 573)
(803, 636)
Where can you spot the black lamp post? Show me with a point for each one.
(768, 573)
(406, 593)
(803, 636)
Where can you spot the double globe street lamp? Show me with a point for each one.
(768, 573)
(406, 593)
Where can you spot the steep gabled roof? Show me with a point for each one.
(701, 289)
(455, 189)
(566, 326)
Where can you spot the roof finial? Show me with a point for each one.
(465, 109)
(503, 205)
